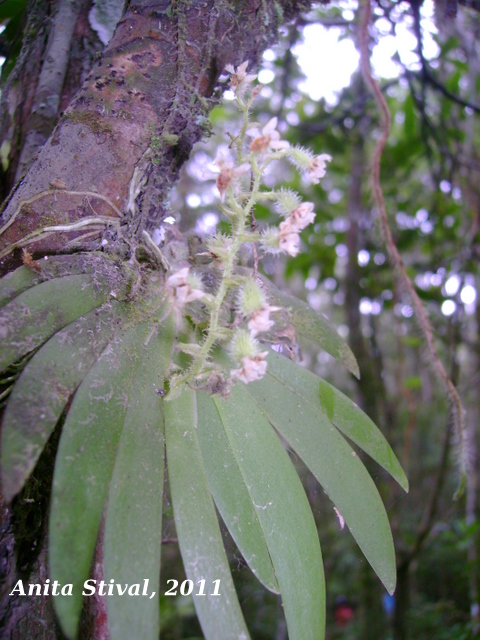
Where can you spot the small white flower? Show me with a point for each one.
(288, 226)
(305, 160)
(289, 241)
(284, 239)
(267, 138)
(178, 278)
(184, 287)
(228, 172)
(317, 167)
(303, 215)
(252, 304)
(260, 320)
(240, 79)
(252, 369)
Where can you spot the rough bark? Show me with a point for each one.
(116, 152)
(50, 82)
(43, 83)
(138, 114)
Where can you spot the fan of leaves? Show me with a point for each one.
(72, 333)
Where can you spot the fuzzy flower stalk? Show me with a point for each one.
(237, 309)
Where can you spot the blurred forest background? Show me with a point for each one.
(427, 60)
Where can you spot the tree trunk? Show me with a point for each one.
(113, 156)
(370, 385)
(402, 602)
(134, 121)
(56, 55)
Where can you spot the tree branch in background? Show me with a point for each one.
(356, 109)
(456, 407)
(288, 63)
(425, 72)
(50, 83)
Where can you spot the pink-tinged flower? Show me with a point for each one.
(267, 138)
(287, 226)
(302, 216)
(260, 320)
(228, 172)
(289, 240)
(184, 287)
(253, 368)
(239, 78)
(317, 167)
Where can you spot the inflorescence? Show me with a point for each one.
(239, 184)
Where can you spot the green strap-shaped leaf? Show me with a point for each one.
(340, 410)
(38, 313)
(43, 389)
(231, 494)
(314, 326)
(99, 264)
(283, 510)
(198, 531)
(133, 524)
(337, 468)
(84, 466)
(16, 282)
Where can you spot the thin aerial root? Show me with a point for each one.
(456, 407)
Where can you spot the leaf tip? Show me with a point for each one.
(350, 361)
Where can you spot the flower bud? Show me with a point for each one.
(219, 245)
(287, 201)
(244, 345)
(251, 298)
(300, 157)
(271, 240)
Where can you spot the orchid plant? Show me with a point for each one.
(148, 368)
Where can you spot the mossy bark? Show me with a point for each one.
(143, 106)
